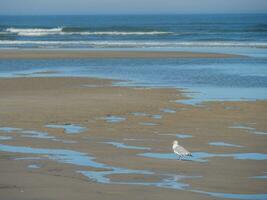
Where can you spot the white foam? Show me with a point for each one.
(123, 33)
(130, 44)
(59, 31)
(34, 31)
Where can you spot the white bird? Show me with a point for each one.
(179, 150)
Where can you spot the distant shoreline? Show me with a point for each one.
(55, 54)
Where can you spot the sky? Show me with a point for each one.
(49, 7)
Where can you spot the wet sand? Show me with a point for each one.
(32, 103)
(59, 54)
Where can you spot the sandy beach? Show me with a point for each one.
(148, 119)
(57, 54)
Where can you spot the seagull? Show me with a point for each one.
(179, 150)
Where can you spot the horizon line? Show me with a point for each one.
(83, 14)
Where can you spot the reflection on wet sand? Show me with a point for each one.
(203, 156)
(83, 159)
(68, 128)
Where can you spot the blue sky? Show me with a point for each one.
(24, 7)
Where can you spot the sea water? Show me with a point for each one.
(202, 79)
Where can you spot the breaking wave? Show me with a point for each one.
(63, 31)
(133, 44)
(34, 31)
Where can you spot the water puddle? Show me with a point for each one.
(259, 133)
(103, 176)
(36, 134)
(182, 109)
(180, 136)
(60, 155)
(148, 123)
(232, 108)
(29, 158)
(9, 129)
(6, 138)
(167, 110)
(114, 119)
(171, 182)
(83, 159)
(32, 134)
(248, 129)
(224, 144)
(95, 86)
(242, 127)
(203, 156)
(192, 101)
(142, 114)
(65, 141)
(33, 166)
(198, 96)
(133, 139)
(68, 128)
(156, 116)
(44, 135)
(139, 114)
(260, 177)
(234, 196)
(125, 146)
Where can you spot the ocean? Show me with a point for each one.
(203, 79)
(129, 31)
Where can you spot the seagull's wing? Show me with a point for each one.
(181, 151)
